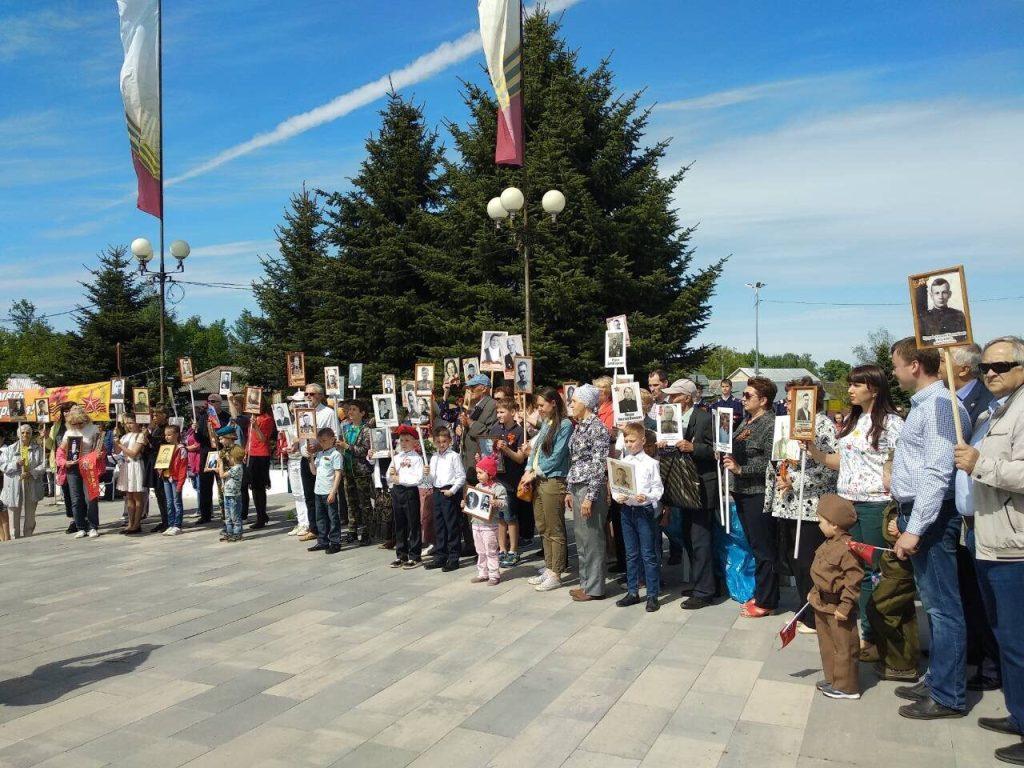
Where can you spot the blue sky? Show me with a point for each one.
(836, 147)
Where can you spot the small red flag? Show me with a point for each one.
(787, 633)
(865, 552)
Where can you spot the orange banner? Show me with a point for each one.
(94, 399)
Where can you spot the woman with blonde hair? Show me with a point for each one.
(80, 438)
(132, 480)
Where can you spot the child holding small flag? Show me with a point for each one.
(837, 573)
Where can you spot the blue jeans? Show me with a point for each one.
(328, 522)
(233, 515)
(935, 572)
(641, 536)
(85, 512)
(175, 507)
(1002, 585)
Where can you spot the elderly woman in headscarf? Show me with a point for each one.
(23, 463)
(587, 491)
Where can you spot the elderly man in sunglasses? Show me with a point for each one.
(991, 482)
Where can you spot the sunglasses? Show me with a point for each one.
(998, 368)
(747, 396)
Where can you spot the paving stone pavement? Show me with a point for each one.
(156, 651)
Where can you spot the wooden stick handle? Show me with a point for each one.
(954, 399)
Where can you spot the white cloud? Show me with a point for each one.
(748, 93)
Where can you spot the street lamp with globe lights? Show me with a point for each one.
(142, 250)
(506, 207)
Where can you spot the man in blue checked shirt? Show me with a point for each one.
(922, 484)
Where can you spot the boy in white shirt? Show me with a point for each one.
(405, 476)
(447, 475)
(641, 533)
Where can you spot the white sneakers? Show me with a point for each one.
(548, 584)
(173, 531)
(429, 549)
(81, 535)
(294, 531)
(535, 580)
(93, 533)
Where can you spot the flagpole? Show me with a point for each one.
(526, 180)
(160, 88)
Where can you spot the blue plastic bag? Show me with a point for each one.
(734, 560)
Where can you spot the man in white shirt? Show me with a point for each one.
(447, 476)
(325, 418)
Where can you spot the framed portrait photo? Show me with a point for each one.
(492, 351)
(16, 407)
(669, 419)
(723, 430)
(478, 503)
(622, 477)
(225, 383)
(296, 368)
(803, 407)
(282, 416)
(355, 375)
(164, 456)
(140, 400)
(177, 421)
(513, 348)
(385, 411)
(380, 441)
(942, 316)
(522, 380)
(618, 324)
(614, 349)
(185, 371)
(212, 458)
(421, 409)
(387, 383)
(253, 400)
(305, 423)
(117, 391)
(450, 375)
(424, 378)
(626, 403)
(333, 383)
(42, 410)
(470, 367)
(782, 447)
(568, 390)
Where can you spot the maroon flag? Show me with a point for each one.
(501, 29)
(865, 552)
(788, 632)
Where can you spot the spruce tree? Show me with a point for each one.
(32, 347)
(618, 248)
(291, 317)
(120, 308)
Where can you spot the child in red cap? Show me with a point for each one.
(485, 531)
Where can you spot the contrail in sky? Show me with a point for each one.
(426, 66)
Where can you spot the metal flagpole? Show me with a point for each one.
(163, 212)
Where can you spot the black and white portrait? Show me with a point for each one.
(16, 408)
(140, 400)
(626, 402)
(470, 367)
(621, 477)
(424, 378)
(296, 367)
(670, 423)
(385, 412)
(387, 383)
(380, 441)
(282, 417)
(492, 351)
(619, 325)
(185, 370)
(117, 390)
(723, 430)
(568, 390)
(225, 383)
(355, 375)
(333, 384)
(614, 349)
(42, 409)
(305, 419)
(513, 349)
(451, 372)
(478, 503)
(522, 380)
(941, 314)
(802, 410)
(253, 400)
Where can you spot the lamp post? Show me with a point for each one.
(757, 325)
(142, 249)
(506, 206)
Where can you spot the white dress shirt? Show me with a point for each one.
(408, 465)
(325, 417)
(648, 480)
(446, 470)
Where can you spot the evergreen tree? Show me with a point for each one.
(207, 345)
(291, 317)
(386, 292)
(119, 308)
(617, 248)
(876, 351)
(32, 347)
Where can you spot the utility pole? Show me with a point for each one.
(757, 325)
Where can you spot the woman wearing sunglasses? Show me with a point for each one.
(751, 452)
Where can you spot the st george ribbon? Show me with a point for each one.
(501, 29)
(140, 89)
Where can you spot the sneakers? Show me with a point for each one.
(294, 531)
(81, 535)
(397, 563)
(93, 533)
(803, 629)
(173, 531)
(539, 578)
(835, 693)
(307, 536)
(821, 685)
(493, 582)
(410, 564)
(429, 549)
(478, 580)
(549, 583)
(503, 559)
(512, 559)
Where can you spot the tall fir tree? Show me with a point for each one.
(120, 308)
(32, 347)
(290, 316)
(618, 248)
(386, 292)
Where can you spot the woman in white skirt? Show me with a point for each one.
(132, 480)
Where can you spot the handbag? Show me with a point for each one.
(524, 491)
(681, 481)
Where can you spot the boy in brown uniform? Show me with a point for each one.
(837, 574)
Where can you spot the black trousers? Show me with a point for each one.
(308, 482)
(258, 474)
(524, 514)
(65, 493)
(615, 518)
(157, 484)
(762, 535)
(206, 481)
(447, 527)
(811, 538)
(982, 647)
(405, 501)
(699, 532)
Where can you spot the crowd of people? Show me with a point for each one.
(946, 515)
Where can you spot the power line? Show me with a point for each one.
(873, 304)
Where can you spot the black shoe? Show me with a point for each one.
(159, 529)
(652, 604)
(627, 600)
(397, 562)
(694, 603)
(257, 525)
(1012, 754)
(318, 547)
(365, 541)
(72, 528)
(674, 560)
(999, 725)
(687, 590)
(449, 567)
(929, 709)
(333, 549)
(434, 564)
(351, 537)
(979, 683)
(918, 692)
(201, 521)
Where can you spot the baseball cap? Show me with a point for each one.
(681, 387)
